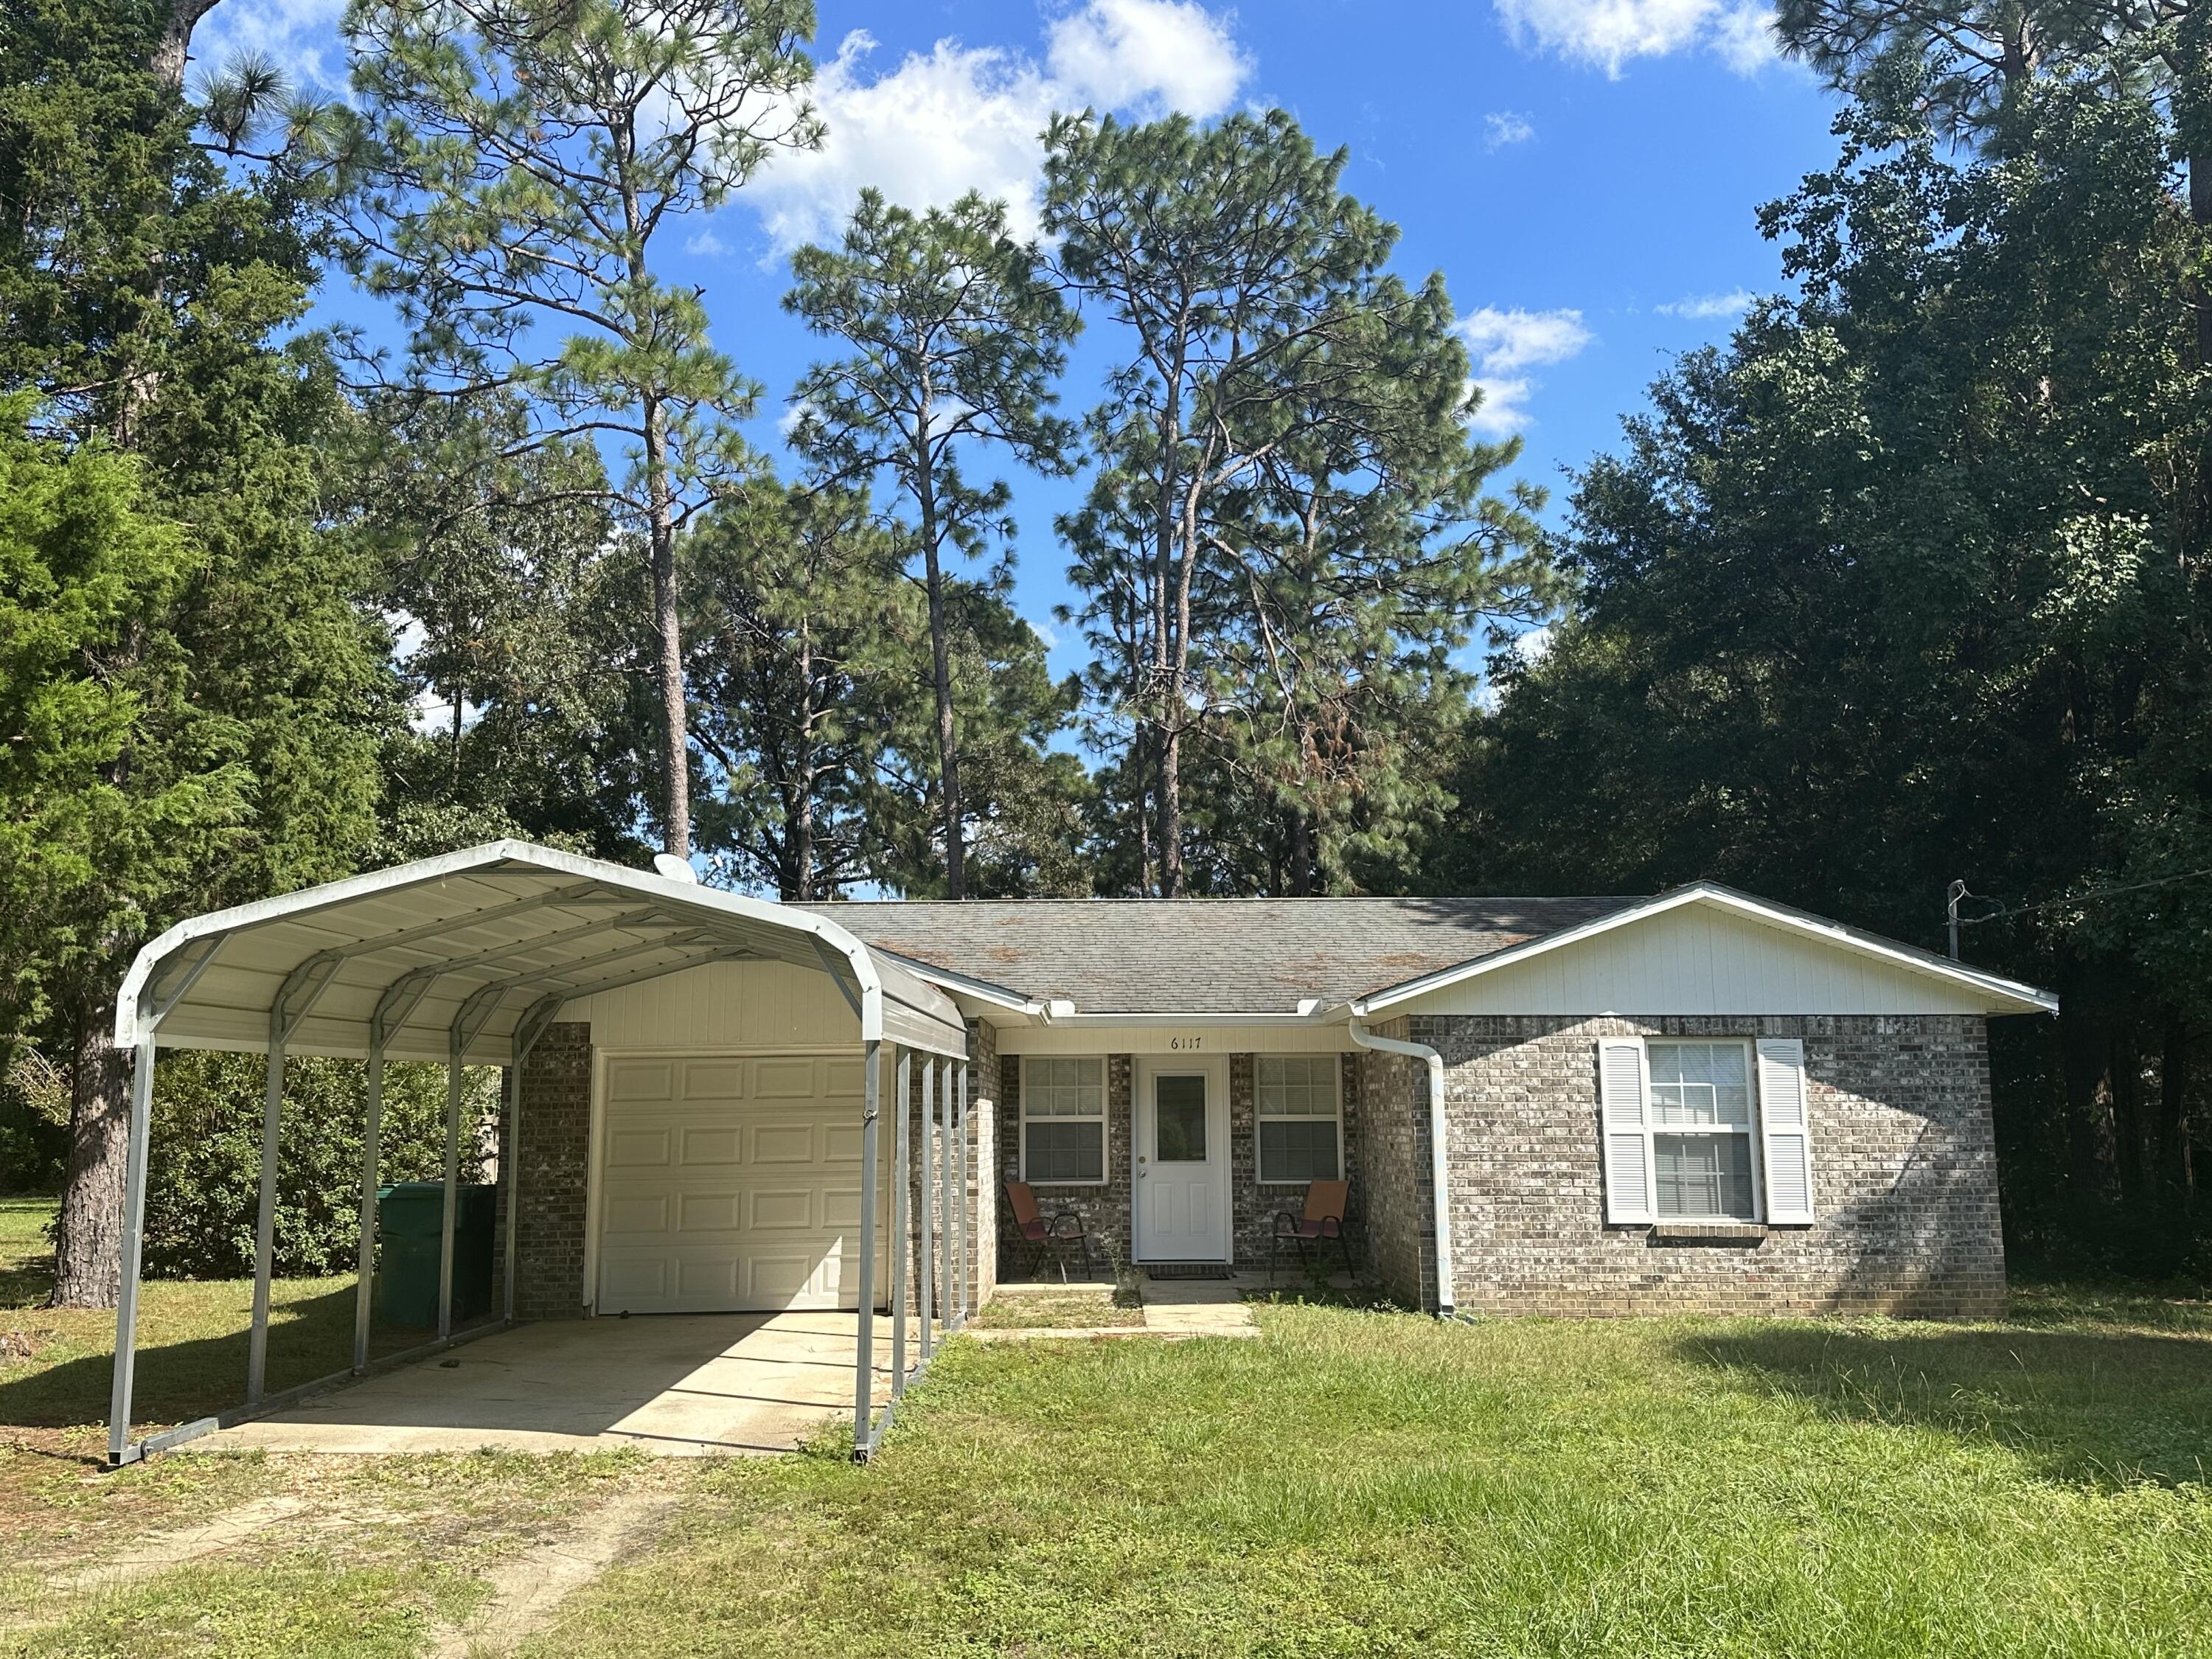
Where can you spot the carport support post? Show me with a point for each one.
(510, 1171)
(965, 1213)
(365, 1255)
(452, 1188)
(265, 1225)
(864, 1361)
(901, 1171)
(926, 1277)
(134, 1234)
(944, 1297)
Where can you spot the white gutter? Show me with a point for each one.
(1439, 1158)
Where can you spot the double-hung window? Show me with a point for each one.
(1063, 1121)
(1706, 1131)
(1301, 1117)
(1701, 1131)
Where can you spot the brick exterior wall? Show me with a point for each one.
(1254, 1204)
(1104, 1209)
(982, 1132)
(1904, 1161)
(1401, 1221)
(983, 1159)
(553, 1162)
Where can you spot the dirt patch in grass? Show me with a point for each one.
(1078, 1311)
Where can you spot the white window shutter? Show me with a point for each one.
(1622, 1105)
(1785, 1128)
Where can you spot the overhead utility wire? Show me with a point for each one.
(2078, 898)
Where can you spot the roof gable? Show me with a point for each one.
(1708, 949)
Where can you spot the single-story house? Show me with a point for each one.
(1698, 1100)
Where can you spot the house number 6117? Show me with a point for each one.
(1185, 1043)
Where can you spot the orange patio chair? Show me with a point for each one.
(1324, 1219)
(1045, 1238)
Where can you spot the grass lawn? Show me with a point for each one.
(1057, 1310)
(1356, 1482)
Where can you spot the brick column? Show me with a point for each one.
(554, 1161)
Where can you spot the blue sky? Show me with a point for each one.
(1585, 173)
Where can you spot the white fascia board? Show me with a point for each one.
(965, 985)
(683, 895)
(1317, 1017)
(2024, 998)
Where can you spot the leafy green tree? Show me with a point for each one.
(525, 633)
(526, 159)
(1288, 537)
(812, 664)
(146, 291)
(203, 1162)
(957, 337)
(1907, 585)
(801, 629)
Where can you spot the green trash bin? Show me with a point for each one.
(410, 1217)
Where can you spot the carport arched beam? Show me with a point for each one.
(702, 906)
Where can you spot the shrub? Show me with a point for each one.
(205, 1167)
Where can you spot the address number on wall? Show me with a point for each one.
(1184, 1044)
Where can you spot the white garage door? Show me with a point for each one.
(731, 1184)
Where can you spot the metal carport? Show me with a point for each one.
(470, 956)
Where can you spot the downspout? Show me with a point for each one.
(1439, 1159)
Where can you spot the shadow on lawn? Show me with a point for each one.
(177, 1381)
(2078, 1407)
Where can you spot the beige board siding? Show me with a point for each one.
(1699, 960)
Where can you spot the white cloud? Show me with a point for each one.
(1504, 409)
(1706, 308)
(1606, 33)
(1148, 57)
(1046, 633)
(1507, 127)
(705, 244)
(1504, 342)
(1744, 37)
(960, 118)
(301, 37)
(1531, 645)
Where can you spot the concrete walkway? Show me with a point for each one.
(676, 1384)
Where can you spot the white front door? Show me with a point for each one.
(1182, 1177)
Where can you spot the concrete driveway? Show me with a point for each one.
(682, 1385)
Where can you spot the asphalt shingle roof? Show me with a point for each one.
(1207, 956)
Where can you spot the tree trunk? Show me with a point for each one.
(88, 1249)
(173, 47)
(676, 750)
(1140, 763)
(940, 665)
(802, 825)
(2173, 1085)
(2086, 1056)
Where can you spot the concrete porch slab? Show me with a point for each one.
(676, 1385)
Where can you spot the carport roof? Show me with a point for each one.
(484, 940)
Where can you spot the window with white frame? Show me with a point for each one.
(1063, 1121)
(1700, 1125)
(1301, 1117)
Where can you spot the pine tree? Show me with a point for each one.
(957, 337)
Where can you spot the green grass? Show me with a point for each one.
(191, 1342)
(1057, 1310)
(1367, 1483)
(1356, 1482)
